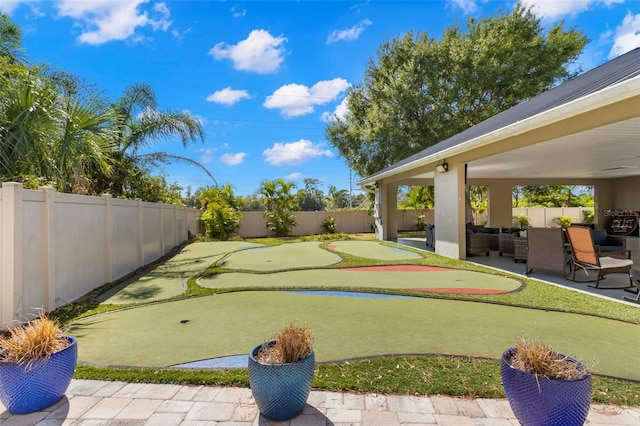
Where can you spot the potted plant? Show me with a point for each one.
(545, 387)
(37, 362)
(565, 221)
(281, 372)
(523, 220)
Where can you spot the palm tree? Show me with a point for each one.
(280, 202)
(138, 123)
(335, 196)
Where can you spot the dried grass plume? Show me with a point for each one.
(538, 358)
(292, 344)
(33, 341)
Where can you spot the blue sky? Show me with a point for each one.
(265, 76)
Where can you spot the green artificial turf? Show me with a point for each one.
(349, 278)
(345, 327)
(286, 256)
(374, 250)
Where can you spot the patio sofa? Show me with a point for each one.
(606, 243)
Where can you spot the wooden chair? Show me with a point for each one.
(584, 256)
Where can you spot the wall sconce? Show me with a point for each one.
(441, 168)
(377, 185)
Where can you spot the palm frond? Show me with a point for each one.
(169, 158)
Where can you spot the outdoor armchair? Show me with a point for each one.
(584, 255)
(546, 250)
(478, 241)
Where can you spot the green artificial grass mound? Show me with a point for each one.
(231, 324)
(308, 254)
(373, 250)
(361, 278)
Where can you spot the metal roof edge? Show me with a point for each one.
(607, 96)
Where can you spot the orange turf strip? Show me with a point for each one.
(460, 290)
(398, 268)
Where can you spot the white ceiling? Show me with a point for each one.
(606, 152)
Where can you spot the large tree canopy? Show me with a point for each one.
(420, 91)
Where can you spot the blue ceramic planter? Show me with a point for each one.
(541, 401)
(27, 389)
(280, 390)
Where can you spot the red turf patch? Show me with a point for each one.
(331, 247)
(398, 268)
(461, 290)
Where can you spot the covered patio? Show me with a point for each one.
(585, 131)
(506, 263)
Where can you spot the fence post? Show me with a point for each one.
(140, 226)
(11, 268)
(161, 223)
(49, 245)
(108, 267)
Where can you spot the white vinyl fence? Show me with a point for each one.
(55, 248)
(254, 224)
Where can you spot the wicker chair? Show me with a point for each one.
(478, 243)
(585, 256)
(546, 250)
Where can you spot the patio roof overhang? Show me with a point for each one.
(596, 136)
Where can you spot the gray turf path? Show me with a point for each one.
(94, 403)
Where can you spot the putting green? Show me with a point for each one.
(400, 277)
(167, 279)
(373, 250)
(232, 323)
(286, 256)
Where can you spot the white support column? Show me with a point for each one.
(11, 308)
(500, 204)
(450, 209)
(385, 211)
(49, 251)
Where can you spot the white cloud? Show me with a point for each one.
(349, 34)
(206, 155)
(294, 176)
(260, 52)
(228, 96)
(554, 9)
(294, 153)
(8, 6)
(236, 12)
(626, 36)
(338, 113)
(296, 99)
(467, 6)
(107, 20)
(233, 159)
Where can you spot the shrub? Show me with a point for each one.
(523, 220)
(329, 225)
(565, 221)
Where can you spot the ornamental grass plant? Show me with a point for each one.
(290, 344)
(539, 359)
(36, 340)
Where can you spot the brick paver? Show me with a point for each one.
(89, 403)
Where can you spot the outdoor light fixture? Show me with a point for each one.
(441, 168)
